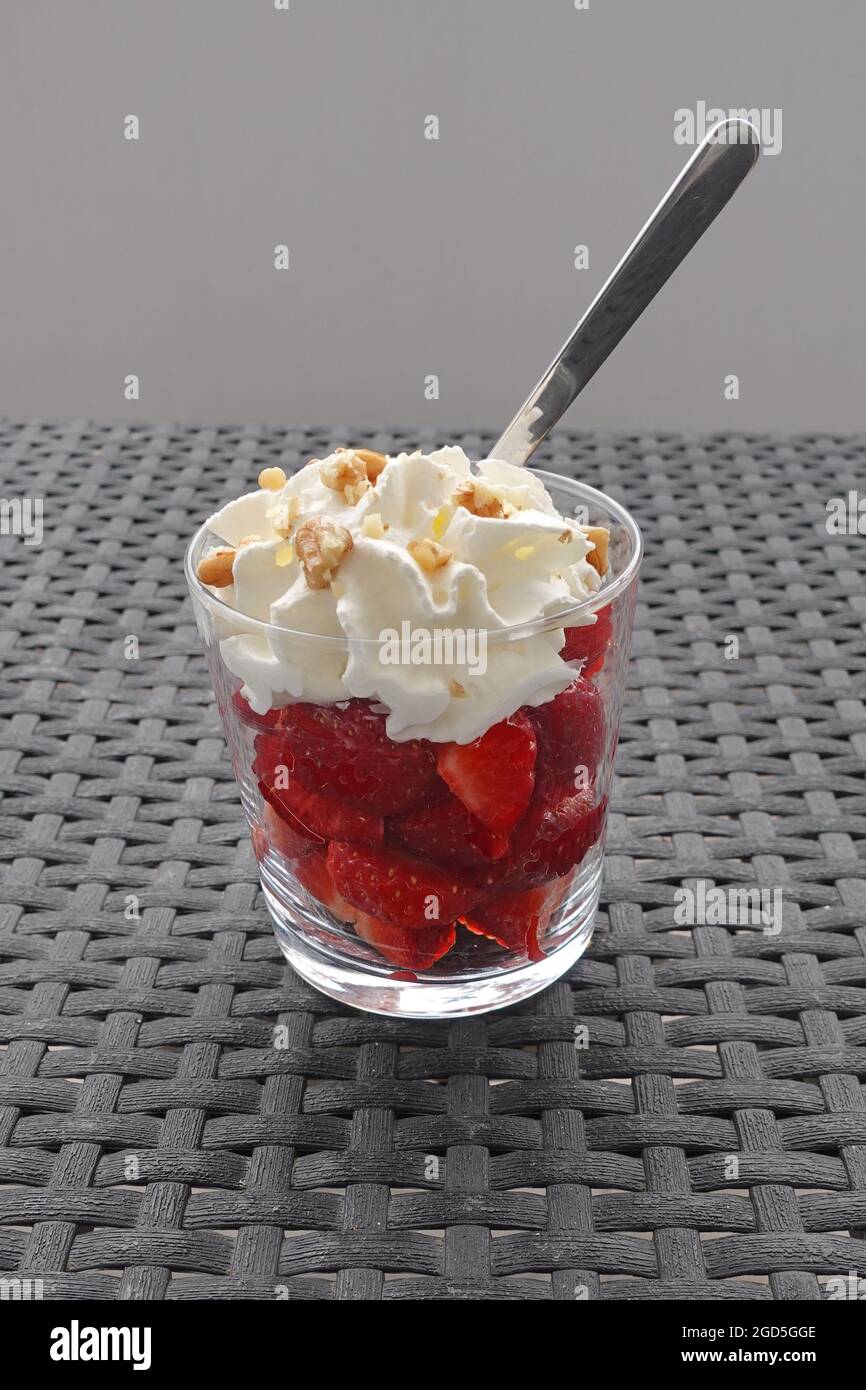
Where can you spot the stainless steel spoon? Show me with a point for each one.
(711, 176)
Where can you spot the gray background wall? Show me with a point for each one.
(408, 256)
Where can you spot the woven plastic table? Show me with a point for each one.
(708, 1143)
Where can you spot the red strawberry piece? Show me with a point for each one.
(287, 835)
(322, 816)
(314, 873)
(589, 644)
(571, 737)
(517, 920)
(553, 837)
(494, 775)
(412, 948)
(273, 760)
(325, 817)
(401, 890)
(332, 819)
(344, 751)
(446, 830)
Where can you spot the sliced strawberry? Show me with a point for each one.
(401, 890)
(494, 775)
(332, 819)
(326, 817)
(412, 948)
(552, 838)
(517, 920)
(320, 815)
(446, 830)
(273, 758)
(344, 751)
(589, 644)
(571, 736)
(314, 873)
(287, 835)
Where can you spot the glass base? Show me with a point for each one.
(384, 990)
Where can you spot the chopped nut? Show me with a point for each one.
(429, 555)
(345, 467)
(216, 569)
(479, 499)
(283, 515)
(248, 540)
(373, 462)
(284, 555)
(457, 690)
(321, 544)
(272, 479)
(346, 473)
(600, 537)
(373, 526)
(353, 492)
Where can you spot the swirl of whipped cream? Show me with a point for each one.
(512, 560)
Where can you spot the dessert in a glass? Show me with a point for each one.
(419, 665)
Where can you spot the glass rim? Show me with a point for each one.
(564, 617)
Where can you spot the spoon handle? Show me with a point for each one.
(693, 201)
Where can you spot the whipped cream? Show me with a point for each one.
(519, 563)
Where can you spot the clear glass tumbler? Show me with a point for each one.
(384, 890)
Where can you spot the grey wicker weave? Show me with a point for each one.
(155, 1144)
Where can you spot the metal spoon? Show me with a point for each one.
(694, 200)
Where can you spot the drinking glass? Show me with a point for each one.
(472, 920)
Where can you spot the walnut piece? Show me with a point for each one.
(352, 472)
(346, 473)
(479, 499)
(320, 545)
(429, 555)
